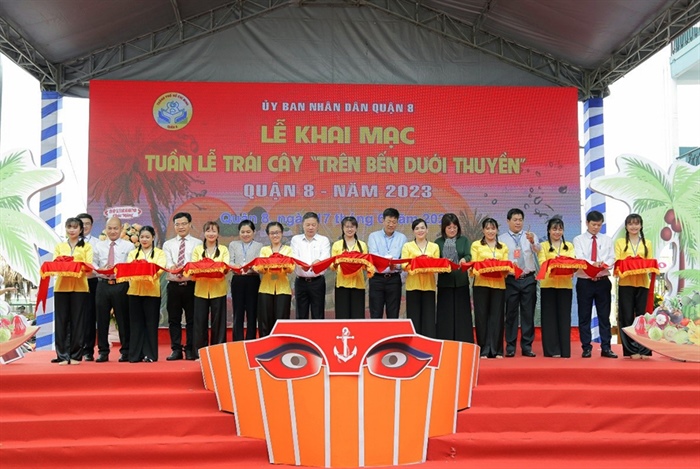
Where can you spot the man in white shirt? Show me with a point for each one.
(111, 295)
(598, 250)
(90, 316)
(309, 287)
(180, 289)
(521, 292)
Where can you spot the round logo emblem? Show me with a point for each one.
(172, 111)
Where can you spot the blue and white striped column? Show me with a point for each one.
(594, 161)
(49, 200)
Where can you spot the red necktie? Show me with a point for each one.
(594, 250)
(181, 253)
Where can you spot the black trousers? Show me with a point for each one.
(202, 307)
(144, 315)
(112, 297)
(385, 291)
(420, 309)
(180, 298)
(244, 295)
(90, 318)
(69, 324)
(521, 297)
(631, 302)
(556, 321)
(270, 309)
(588, 293)
(349, 303)
(488, 316)
(310, 293)
(454, 314)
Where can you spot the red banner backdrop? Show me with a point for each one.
(231, 151)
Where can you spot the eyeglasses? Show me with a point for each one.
(179, 225)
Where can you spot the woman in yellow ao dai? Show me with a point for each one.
(275, 293)
(210, 293)
(349, 289)
(144, 301)
(633, 290)
(556, 294)
(421, 287)
(489, 293)
(71, 296)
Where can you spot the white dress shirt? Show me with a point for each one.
(310, 250)
(122, 248)
(172, 248)
(583, 244)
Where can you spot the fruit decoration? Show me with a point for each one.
(129, 233)
(676, 321)
(11, 326)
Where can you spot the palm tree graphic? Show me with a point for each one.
(125, 180)
(668, 202)
(22, 231)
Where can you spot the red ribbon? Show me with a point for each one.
(593, 271)
(350, 262)
(427, 264)
(493, 268)
(62, 266)
(562, 266)
(206, 268)
(275, 263)
(138, 269)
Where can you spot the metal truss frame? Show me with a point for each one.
(681, 15)
(660, 32)
(21, 52)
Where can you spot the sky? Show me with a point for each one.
(645, 114)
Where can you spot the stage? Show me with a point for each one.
(526, 412)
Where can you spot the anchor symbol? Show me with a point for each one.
(344, 338)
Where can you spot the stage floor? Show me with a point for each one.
(40, 362)
(526, 412)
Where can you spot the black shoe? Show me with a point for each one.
(586, 354)
(147, 360)
(529, 353)
(510, 354)
(103, 357)
(190, 355)
(123, 358)
(56, 360)
(608, 354)
(175, 355)
(88, 357)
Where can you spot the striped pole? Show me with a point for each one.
(49, 199)
(594, 160)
